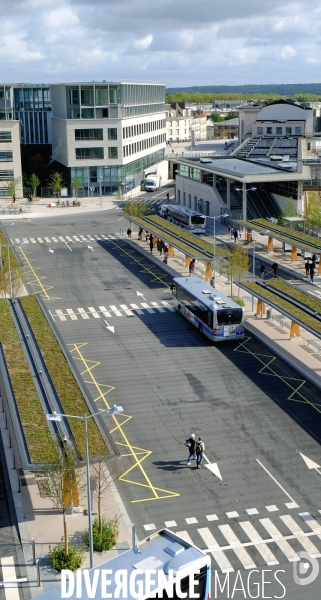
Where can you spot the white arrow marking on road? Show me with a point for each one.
(110, 327)
(10, 224)
(91, 248)
(140, 294)
(213, 467)
(68, 246)
(310, 463)
(50, 250)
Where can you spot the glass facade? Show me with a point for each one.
(106, 180)
(5, 155)
(89, 153)
(6, 175)
(112, 133)
(88, 134)
(31, 107)
(142, 99)
(5, 136)
(113, 152)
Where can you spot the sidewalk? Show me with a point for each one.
(41, 209)
(302, 353)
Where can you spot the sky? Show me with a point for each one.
(179, 43)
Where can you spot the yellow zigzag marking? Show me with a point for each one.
(37, 280)
(135, 452)
(267, 370)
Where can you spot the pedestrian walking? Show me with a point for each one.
(240, 233)
(235, 235)
(200, 449)
(160, 245)
(167, 196)
(151, 243)
(165, 255)
(129, 232)
(231, 232)
(262, 270)
(191, 443)
(212, 282)
(228, 230)
(191, 267)
(275, 268)
(311, 273)
(314, 260)
(307, 268)
(13, 198)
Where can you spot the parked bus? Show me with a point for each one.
(177, 564)
(214, 314)
(184, 217)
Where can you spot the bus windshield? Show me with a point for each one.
(229, 317)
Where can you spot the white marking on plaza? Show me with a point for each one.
(93, 311)
(61, 315)
(126, 310)
(140, 294)
(52, 251)
(191, 520)
(115, 310)
(212, 517)
(136, 309)
(91, 248)
(110, 327)
(105, 312)
(232, 515)
(185, 535)
(9, 578)
(311, 522)
(71, 314)
(149, 527)
(83, 313)
(299, 534)
(145, 305)
(47, 240)
(275, 480)
(159, 308)
(213, 467)
(170, 524)
(215, 550)
(54, 239)
(252, 511)
(68, 246)
(272, 508)
(40, 240)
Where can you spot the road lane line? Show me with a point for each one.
(275, 480)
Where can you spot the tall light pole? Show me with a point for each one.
(253, 272)
(101, 200)
(115, 410)
(214, 243)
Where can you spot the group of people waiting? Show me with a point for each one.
(154, 241)
(196, 450)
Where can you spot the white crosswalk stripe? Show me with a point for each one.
(122, 311)
(261, 547)
(299, 533)
(311, 522)
(94, 312)
(83, 313)
(71, 314)
(278, 538)
(116, 311)
(81, 238)
(145, 305)
(234, 542)
(105, 311)
(217, 554)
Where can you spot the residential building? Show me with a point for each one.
(29, 104)
(224, 129)
(181, 121)
(109, 135)
(10, 160)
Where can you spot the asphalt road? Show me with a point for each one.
(252, 410)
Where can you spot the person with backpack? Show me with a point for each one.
(262, 270)
(191, 443)
(165, 255)
(129, 232)
(200, 449)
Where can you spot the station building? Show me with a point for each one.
(273, 163)
(109, 135)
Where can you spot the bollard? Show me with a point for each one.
(133, 536)
(38, 572)
(33, 551)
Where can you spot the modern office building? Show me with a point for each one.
(109, 135)
(10, 160)
(29, 104)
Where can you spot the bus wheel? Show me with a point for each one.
(179, 309)
(200, 328)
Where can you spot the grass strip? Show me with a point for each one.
(185, 235)
(296, 314)
(35, 427)
(298, 295)
(71, 398)
(294, 234)
(283, 236)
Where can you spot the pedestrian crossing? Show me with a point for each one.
(247, 544)
(100, 312)
(67, 239)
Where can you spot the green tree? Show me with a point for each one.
(231, 115)
(235, 264)
(313, 209)
(216, 118)
(11, 186)
(135, 208)
(56, 182)
(289, 210)
(76, 185)
(34, 182)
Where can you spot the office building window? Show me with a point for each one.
(112, 133)
(269, 130)
(88, 134)
(189, 201)
(278, 131)
(89, 153)
(6, 175)
(74, 113)
(195, 202)
(5, 136)
(113, 95)
(87, 96)
(74, 96)
(298, 131)
(87, 113)
(5, 155)
(113, 152)
(288, 130)
(259, 130)
(101, 95)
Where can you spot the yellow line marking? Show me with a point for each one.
(140, 262)
(267, 370)
(137, 453)
(37, 280)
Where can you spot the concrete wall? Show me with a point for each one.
(202, 192)
(15, 163)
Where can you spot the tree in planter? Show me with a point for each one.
(15, 273)
(11, 186)
(235, 264)
(120, 183)
(76, 185)
(138, 208)
(56, 182)
(313, 209)
(103, 471)
(34, 182)
(61, 483)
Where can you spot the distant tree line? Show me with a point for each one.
(206, 98)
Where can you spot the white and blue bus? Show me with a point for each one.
(214, 314)
(163, 565)
(184, 217)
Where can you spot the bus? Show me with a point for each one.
(184, 217)
(215, 315)
(155, 568)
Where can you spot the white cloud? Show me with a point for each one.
(288, 52)
(143, 43)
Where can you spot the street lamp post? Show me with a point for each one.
(214, 243)
(253, 272)
(57, 417)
